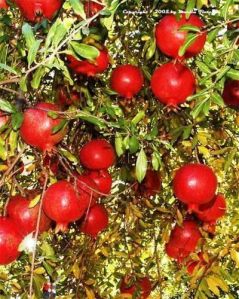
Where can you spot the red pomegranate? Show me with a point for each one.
(151, 184)
(52, 162)
(3, 119)
(213, 210)
(96, 221)
(26, 218)
(61, 204)
(102, 179)
(3, 4)
(65, 98)
(92, 8)
(231, 93)
(86, 186)
(191, 265)
(87, 67)
(170, 38)
(97, 154)
(37, 126)
(36, 10)
(183, 240)
(139, 289)
(172, 83)
(194, 184)
(10, 239)
(127, 80)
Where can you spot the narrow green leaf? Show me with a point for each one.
(189, 8)
(28, 35)
(133, 144)
(225, 8)
(141, 165)
(33, 52)
(188, 42)
(23, 83)
(16, 119)
(59, 127)
(213, 34)
(190, 28)
(217, 99)
(85, 51)
(233, 74)
(138, 117)
(7, 106)
(119, 145)
(8, 68)
(78, 8)
(40, 72)
(203, 67)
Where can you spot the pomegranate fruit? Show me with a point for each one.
(52, 162)
(87, 67)
(86, 186)
(37, 126)
(102, 179)
(231, 93)
(183, 240)
(139, 289)
(151, 184)
(169, 37)
(3, 119)
(96, 220)
(92, 8)
(36, 10)
(97, 154)
(3, 4)
(127, 80)
(213, 210)
(191, 265)
(194, 184)
(172, 83)
(26, 218)
(62, 204)
(10, 239)
(65, 98)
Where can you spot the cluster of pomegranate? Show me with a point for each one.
(195, 185)
(66, 202)
(173, 82)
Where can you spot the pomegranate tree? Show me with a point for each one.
(127, 80)
(139, 289)
(18, 209)
(183, 240)
(172, 83)
(10, 239)
(61, 204)
(194, 184)
(97, 154)
(37, 127)
(88, 67)
(95, 221)
(170, 38)
(36, 10)
(231, 93)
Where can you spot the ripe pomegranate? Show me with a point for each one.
(97, 154)
(36, 10)
(26, 218)
(52, 162)
(62, 204)
(10, 239)
(96, 220)
(102, 179)
(172, 83)
(191, 265)
(183, 240)
(86, 186)
(3, 119)
(127, 80)
(194, 184)
(3, 4)
(213, 210)
(65, 98)
(151, 184)
(139, 289)
(169, 38)
(37, 126)
(88, 67)
(231, 93)
(92, 8)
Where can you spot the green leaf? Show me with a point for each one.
(34, 201)
(78, 8)
(190, 6)
(133, 144)
(225, 8)
(138, 117)
(16, 119)
(189, 28)
(189, 40)
(203, 67)
(217, 99)
(33, 52)
(85, 51)
(151, 49)
(28, 35)
(233, 74)
(60, 126)
(91, 119)
(156, 160)
(119, 145)
(213, 34)
(40, 72)
(141, 165)
(23, 83)
(7, 106)
(8, 68)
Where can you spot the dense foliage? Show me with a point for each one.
(40, 62)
